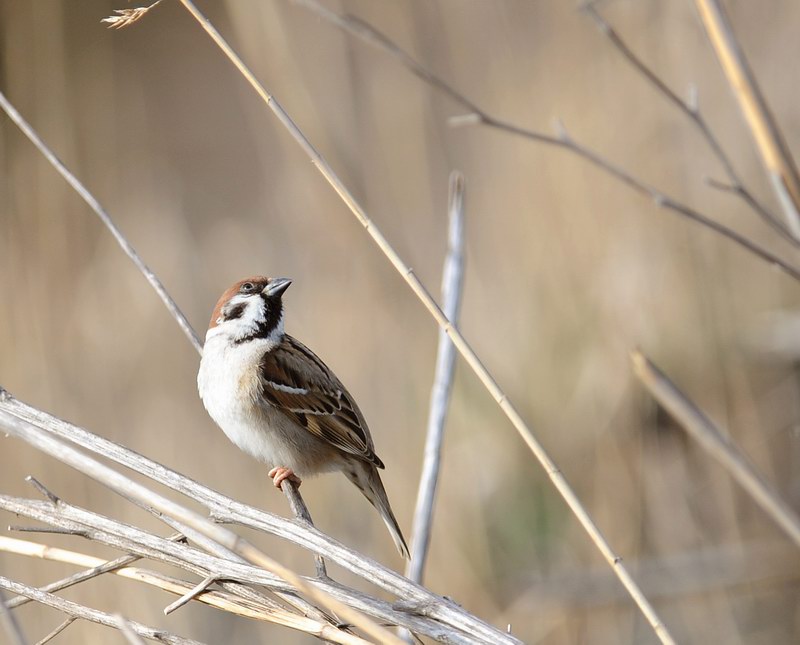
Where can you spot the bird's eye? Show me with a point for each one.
(247, 287)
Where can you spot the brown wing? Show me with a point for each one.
(299, 384)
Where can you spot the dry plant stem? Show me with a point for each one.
(477, 116)
(117, 535)
(300, 510)
(461, 344)
(131, 489)
(124, 626)
(105, 218)
(703, 430)
(79, 611)
(455, 622)
(12, 627)
(452, 288)
(258, 609)
(77, 578)
(693, 112)
(775, 154)
(66, 623)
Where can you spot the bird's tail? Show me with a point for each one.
(368, 481)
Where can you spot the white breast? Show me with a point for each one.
(228, 383)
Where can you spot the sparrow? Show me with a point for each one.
(278, 402)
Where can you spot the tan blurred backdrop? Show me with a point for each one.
(567, 271)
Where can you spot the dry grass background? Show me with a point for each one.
(567, 271)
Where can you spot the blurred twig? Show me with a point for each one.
(671, 577)
(130, 489)
(452, 288)
(555, 475)
(692, 110)
(12, 627)
(775, 154)
(720, 447)
(90, 200)
(477, 116)
(424, 612)
(60, 628)
(93, 615)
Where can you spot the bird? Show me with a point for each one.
(279, 402)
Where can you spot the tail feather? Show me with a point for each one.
(368, 481)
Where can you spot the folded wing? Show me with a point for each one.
(296, 382)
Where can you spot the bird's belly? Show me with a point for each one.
(275, 440)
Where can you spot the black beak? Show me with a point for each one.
(276, 287)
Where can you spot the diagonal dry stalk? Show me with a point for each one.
(128, 488)
(452, 287)
(775, 154)
(105, 218)
(472, 359)
(691, 110)
(477, 116)
(716, 444)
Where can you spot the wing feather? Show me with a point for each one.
(296, 382)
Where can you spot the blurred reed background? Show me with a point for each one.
(567, 271)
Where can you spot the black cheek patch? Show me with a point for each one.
(234, 312)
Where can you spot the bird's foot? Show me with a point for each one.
(279, 474)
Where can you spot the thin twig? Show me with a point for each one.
(110, 566)
(478, 116)
(259, 608)
(716, 444)
(124, 626)
(452, 288)
(454, 623)
(128, 488)
(190, 595)
(93, 615)
(300, 510)
(555, 475)
(12, 627)
(64, 624)
(77, 578)
(90, 200)
(775, 154)
(690, 109)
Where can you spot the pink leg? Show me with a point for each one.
(279, 473)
